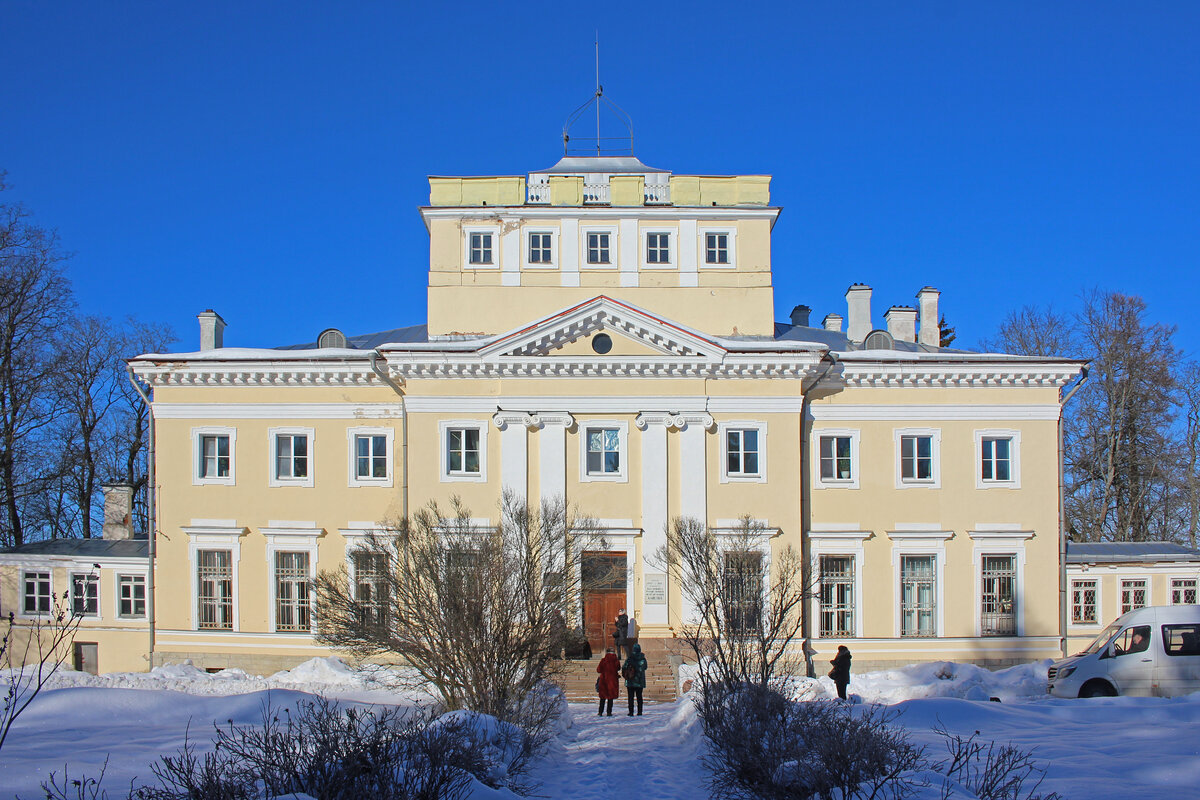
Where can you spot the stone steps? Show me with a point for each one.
(578, 678)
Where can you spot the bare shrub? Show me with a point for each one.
(989, 770)
(762, 745)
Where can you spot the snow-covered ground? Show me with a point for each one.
(1096, 749)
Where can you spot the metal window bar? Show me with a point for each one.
(743, 585)
(1133, 595)
(370, 587)
(998, 603)
(918, 593)
(293, 611)
(214, 577)
(1183, 592)
(837, 596)
(1083, 602)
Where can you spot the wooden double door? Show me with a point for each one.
(604, 583)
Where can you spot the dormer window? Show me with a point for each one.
(480, 248)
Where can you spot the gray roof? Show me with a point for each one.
(575, 165)
(369, 341)
(1120, 552)
(83, 548)
(840, 342)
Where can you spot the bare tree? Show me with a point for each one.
(35, 300)
(477, 612)
(740, 629)
(1189, 462)
(1034, 331)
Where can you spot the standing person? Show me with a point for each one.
(634, 673)
(607, 685)
(622, 634)
(840, 673)
(631, 633)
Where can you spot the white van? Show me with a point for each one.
(1152, 652)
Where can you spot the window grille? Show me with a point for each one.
(998, 603)
(837, 596)
(1133, 595)
(1183, 591)
(214, 576)
(293, 612)
(918, 596)
(1083, 602)
(743, 581)
(371, 588)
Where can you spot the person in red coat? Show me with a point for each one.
(607, 685)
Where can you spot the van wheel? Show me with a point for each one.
(1097, 689)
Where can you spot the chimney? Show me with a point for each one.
(118, 505)
(902, 323)
(212, 330)
(800, 315)
(833, 322)
(858, 303)
(927, 301)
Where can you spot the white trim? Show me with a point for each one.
(622, 473)
(935, 451)
(839, 543)
(526, 233)
(200, 411)
(702, 246)
(984, 533)
(444, 474)
(352, 478)
(819, 482)
(290, 540)
(923, 544)
(602, 404)
(71, 573)
(689, 273)
(613, 251)
(743, 425)
(628, 258)
(836, 412)
(657, 213)
(273, 478)
(999, 543)
(215, 538)
(197, 454)
(1100, 616)
(672, 261)
(1014, 466)
(467, 230)
(21, 612)
(117, 575)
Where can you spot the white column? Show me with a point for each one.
(514, 451)
(654, 514)
(568, 251)
(689, 260)
(552, 453)
(630, 249)
(510, 252)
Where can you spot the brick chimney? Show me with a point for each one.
(902, 323)
(118, 508)
(800, 315)
(858, 311)
(212, 330)
(927, 301)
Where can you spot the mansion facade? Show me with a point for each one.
(603, 332)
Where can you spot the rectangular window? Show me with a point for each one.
(918, 595)
(916, 458)
(598, 251)
(132, 592)
(998, 603)
(214, 456)
(214, 583)
(291, 456)
(1083, 602)
(741, 452)
(1133, 595)
(540, 248)
(371, 587)
(370, 456)
(462, 451)
(38, 599)
(837, 596)
(1183, 591)
(835, 458)
(997, 458)
(603, 451)
(1181, 640)
(716, 248)
(85, 594)
(743, 585)
(293, 611)
(658, 248)
(480, 249)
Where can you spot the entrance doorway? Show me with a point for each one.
(604, 581)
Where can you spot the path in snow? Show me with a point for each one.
(655, 755)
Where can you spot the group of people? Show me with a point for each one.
(611, 669)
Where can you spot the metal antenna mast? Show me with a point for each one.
(610, 146)
(598, 91)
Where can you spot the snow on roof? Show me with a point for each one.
(82, 548)
(1115, 552)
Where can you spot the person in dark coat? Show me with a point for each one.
(635, 678)
(841, 670)
(621, 635)
(607, 685)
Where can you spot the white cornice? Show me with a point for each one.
(674, 420)
(258, 373)
(845, 413)
(972, 375)
(543, 213)
(277, 410)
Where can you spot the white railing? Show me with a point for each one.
(594, 193)
(658, 194)
(538, 193)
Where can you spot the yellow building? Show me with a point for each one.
(603, 331)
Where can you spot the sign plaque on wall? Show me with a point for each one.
(656, 589)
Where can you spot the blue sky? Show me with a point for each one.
(267, 158)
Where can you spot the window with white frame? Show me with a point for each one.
(743, 589)
(291, 457)
(214, 583)
(1133, 594)
(742, 452)
(917, 458)
(131, 596)
(1183, 591)
(918, 595)
(999, 459)
(836, 464)
(293, 608)
(998, 598)
(658, 249)
(541, 249)
(85, 594)
(599, 248)
(836, 616)
(213, 455)
(370, 456)
(462, 451)
(1083, 602)
(603, 451)
(716, 248)
(38, 597)
(480, 248)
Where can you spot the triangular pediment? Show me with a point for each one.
(634, 331)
